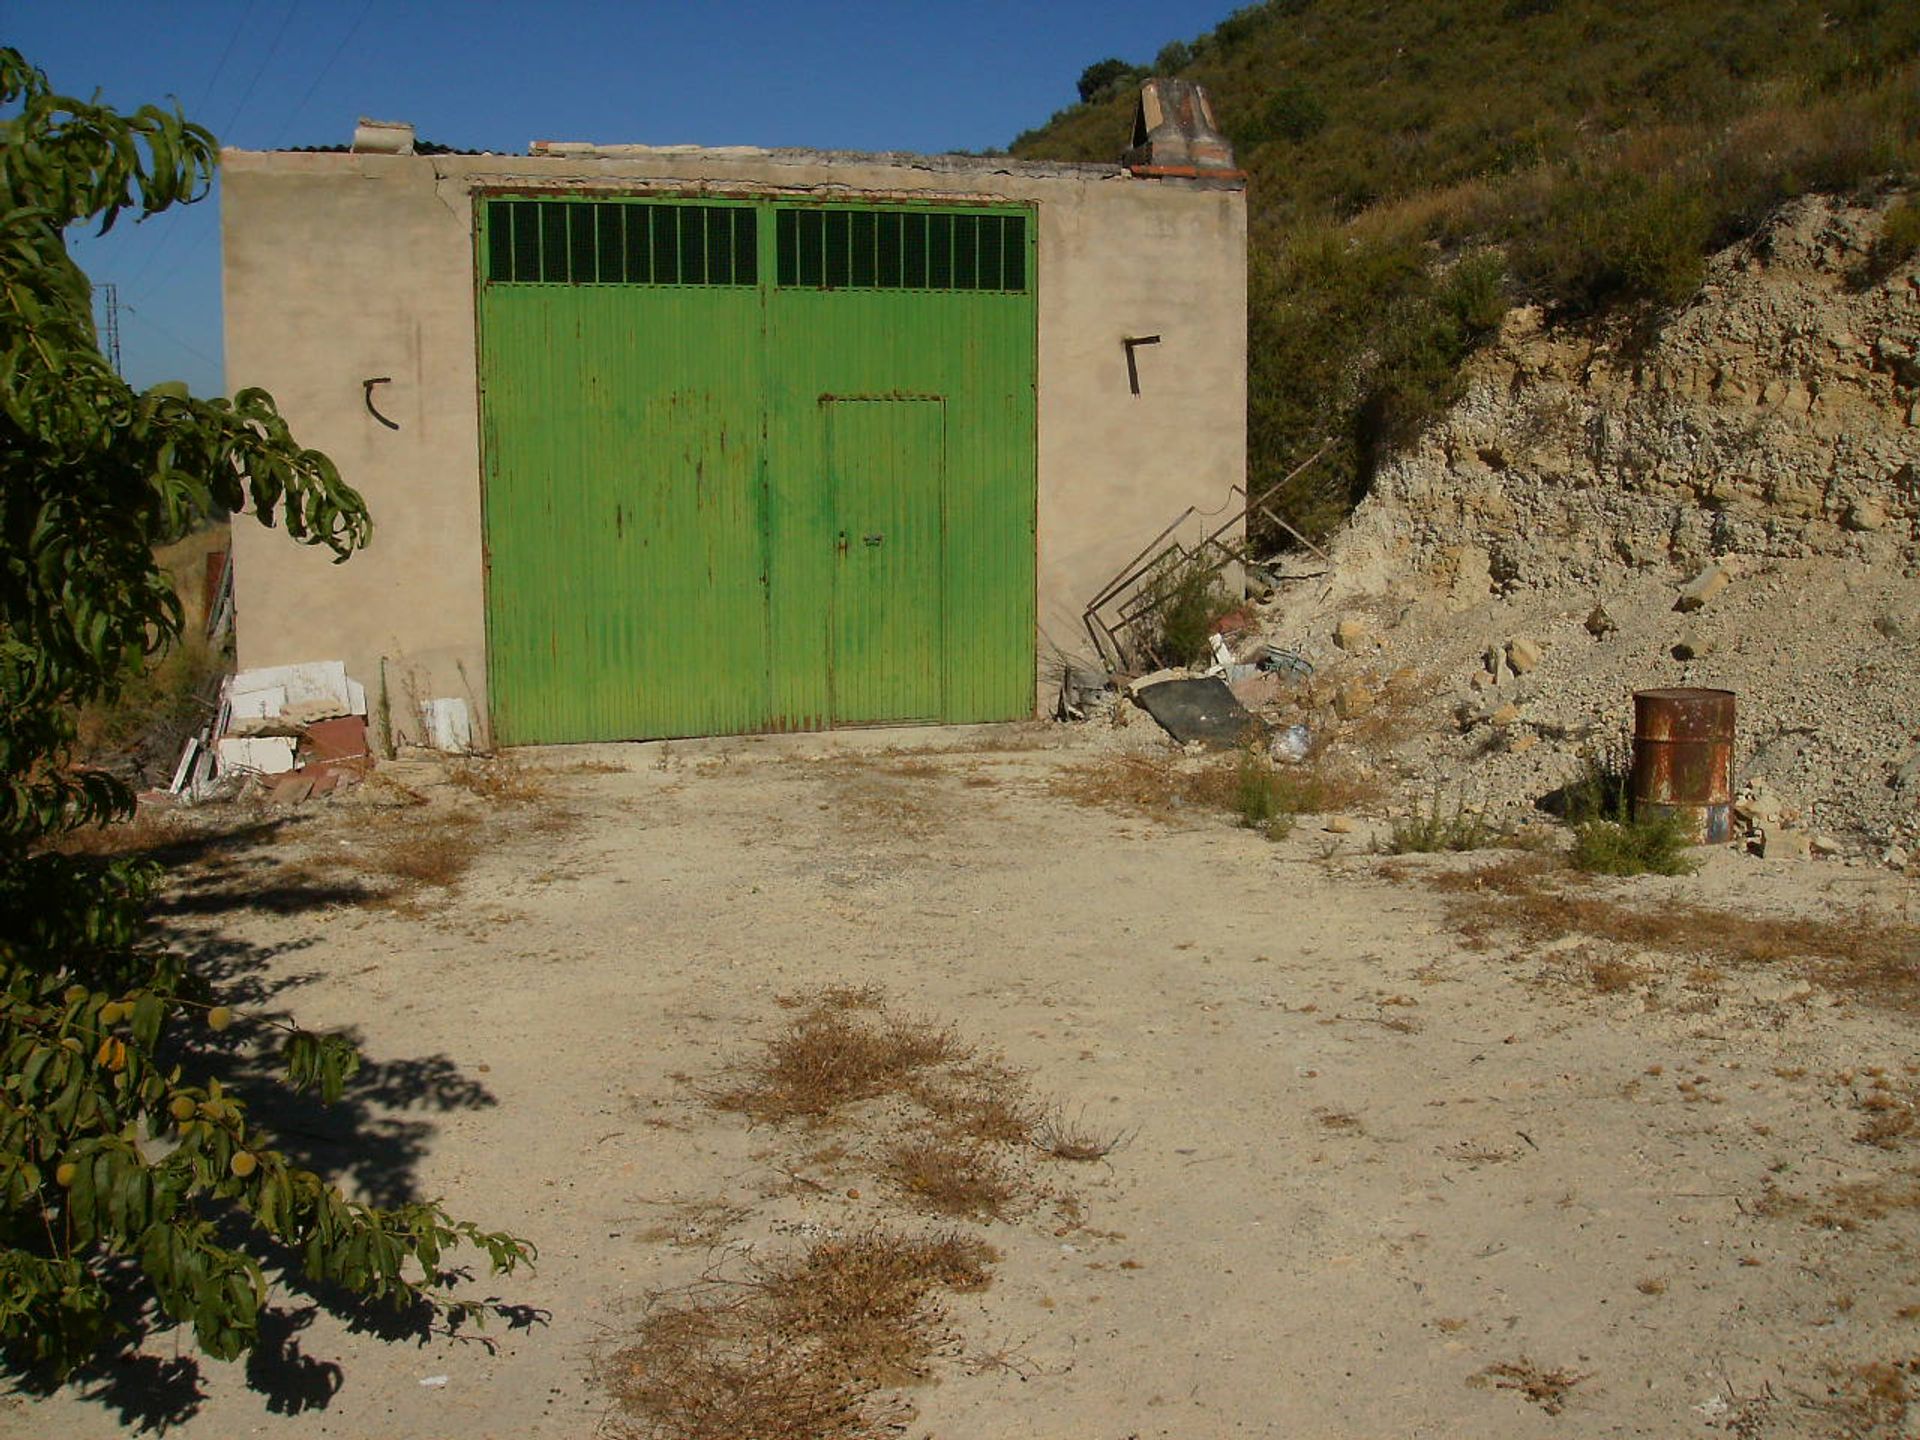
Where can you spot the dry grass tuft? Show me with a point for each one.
(949, 1176)
(146, 831)
(1172, 788)
(835, 997)
(420, 852)
(833, 1056)
(1545, 1388)
(1879, 1398)
(1892, 1114)
(1870, 956)
(797, 1347)
(501, 780)
(983, 1101)
(1849, 1206)
(1610, 976)
(1071, 1138)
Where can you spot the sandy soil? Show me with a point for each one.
(1367, 1161)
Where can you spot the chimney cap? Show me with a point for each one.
(1175, 134)
(382, 137)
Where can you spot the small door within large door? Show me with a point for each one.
(886, 463)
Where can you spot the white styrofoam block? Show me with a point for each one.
(262, 704)
(268, 754)
(317, 684)
(448, 724)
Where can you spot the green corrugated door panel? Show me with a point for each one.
(661, 512)
(974, 351)
(625, 596)
(886, 458)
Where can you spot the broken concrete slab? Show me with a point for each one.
(1203, 711)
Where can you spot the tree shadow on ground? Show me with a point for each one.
(371, 1141)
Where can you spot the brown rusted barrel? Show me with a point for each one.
(1683, 759)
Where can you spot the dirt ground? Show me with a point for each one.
(1381, 1175)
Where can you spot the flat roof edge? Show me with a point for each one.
(566, 150)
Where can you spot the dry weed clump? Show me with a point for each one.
(143, 833)
(1546, 1388)
(796, 1348)
(835, 1055)
(1892, 1114)
(416, 851)
(1071, 1138)
(1878, 1398)
(499, 779)
(983, 1101)
(1171, 788)
(1534, 898)
(1848, 1207)
(949, 1176)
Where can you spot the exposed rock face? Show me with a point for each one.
(1778, 416)
(1737, 505)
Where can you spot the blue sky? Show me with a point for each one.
(479, 75)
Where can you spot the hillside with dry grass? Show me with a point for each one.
(1417, 170)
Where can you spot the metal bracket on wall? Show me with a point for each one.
(1133, 370)
(366, 387)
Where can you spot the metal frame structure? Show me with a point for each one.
(1128, 599)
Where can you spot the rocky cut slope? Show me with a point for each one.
(1766, 444)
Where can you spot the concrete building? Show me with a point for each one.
(668, 441)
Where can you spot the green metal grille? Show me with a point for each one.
(620, 242)
(826, 249)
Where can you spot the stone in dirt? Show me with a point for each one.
(1523, 654)
(1339, 825)
(1599, 623)
(1782, 842)
(1352, 635)
(1505, 715)
(1353, 699)
(1702, 588)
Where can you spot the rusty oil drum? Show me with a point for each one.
(1683, 759)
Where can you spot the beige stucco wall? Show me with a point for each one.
(339, 268)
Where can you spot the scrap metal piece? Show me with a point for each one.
(1205, 710)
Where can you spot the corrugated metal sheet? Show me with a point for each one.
(670, 467)
(886, 461)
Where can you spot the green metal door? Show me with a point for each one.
(685, 404)
(886, 461)
(622, 460)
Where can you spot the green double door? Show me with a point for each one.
(754, 466)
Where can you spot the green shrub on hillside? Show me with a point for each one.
(1603, 150)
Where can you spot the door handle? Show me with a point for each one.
(841, 543)
(871, 539)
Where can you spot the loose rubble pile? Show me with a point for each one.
(293, 732)
(1734, 507)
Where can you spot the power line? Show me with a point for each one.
(233, 37)
(165, 333)
(338, 51)
(261, 69)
